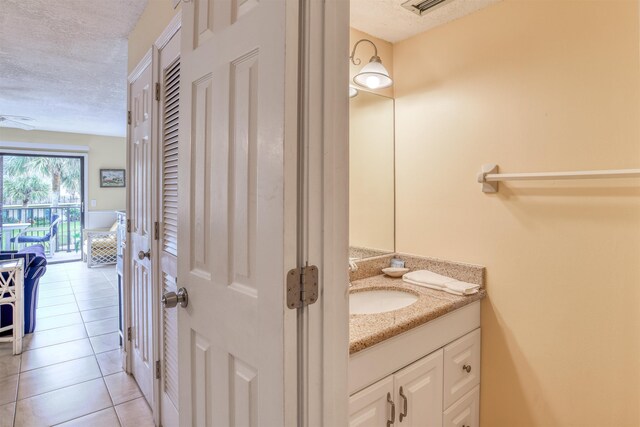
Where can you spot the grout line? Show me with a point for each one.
(91, 413)
(57, 327)
(26, 346)
(100, 335)
(15, 404)
(66, 386)
(57, 363)
(130, 400)
(57, 314)
(52, 344)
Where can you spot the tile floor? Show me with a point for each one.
(70, 373)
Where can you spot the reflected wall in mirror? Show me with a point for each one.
(371, 176)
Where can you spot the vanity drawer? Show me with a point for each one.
(461, 367)
(465, 412)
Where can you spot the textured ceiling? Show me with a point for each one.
(64, 62)
(388, 20)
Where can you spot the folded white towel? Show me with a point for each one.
(461, 288)
(426, 285)
(420, 277)
(432, 280)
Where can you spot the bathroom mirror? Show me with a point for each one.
(371, 175)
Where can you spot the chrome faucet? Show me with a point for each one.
(352, 267)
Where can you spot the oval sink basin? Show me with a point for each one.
(379, 301)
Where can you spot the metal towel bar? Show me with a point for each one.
(489, 176)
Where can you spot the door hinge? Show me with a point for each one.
(157, 91)
(128, 117)
(128, 226)
(156, 230)
(129, 333)
(302, 286)
(157, 369)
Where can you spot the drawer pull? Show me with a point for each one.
(403, 414)
(468, 369)
(393, 411)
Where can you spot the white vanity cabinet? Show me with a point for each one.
(371, 406)
(439, 389)
(412, 396)
(418, 392)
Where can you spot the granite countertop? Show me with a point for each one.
(366, 330)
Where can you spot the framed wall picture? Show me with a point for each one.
(112, 178)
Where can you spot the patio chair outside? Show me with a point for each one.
(49, 238)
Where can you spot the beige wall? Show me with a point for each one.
(365, 52)
(533, 86)
(105, 152)
(154, 20)
(371, 172)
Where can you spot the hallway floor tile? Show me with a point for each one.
(70, 371)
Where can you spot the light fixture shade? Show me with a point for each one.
(373, 75)
(353, 92)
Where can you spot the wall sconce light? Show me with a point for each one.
(353, 91)
(373, 75)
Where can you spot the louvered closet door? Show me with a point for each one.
(168, 227)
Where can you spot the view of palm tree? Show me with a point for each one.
(60, 172)
(26, 189)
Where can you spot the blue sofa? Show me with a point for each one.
(35, 265)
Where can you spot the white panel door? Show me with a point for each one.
(140, 215)
(234, 246)
(373, 407)
(418, 391)
(169, 76)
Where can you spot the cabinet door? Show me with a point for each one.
(370, 407)
(418, 392)
(465, 412)
(461, 367)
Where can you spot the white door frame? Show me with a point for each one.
(162, 40)
(326, 29)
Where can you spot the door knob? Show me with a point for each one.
(171, 299)
(142, 255)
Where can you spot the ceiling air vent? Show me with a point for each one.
(420, 7)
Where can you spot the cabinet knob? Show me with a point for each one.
(468, 369)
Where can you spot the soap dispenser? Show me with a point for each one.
(397, 263)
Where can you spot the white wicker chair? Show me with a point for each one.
(100, 247)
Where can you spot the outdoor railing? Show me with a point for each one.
(69, 237)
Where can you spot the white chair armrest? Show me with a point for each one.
(100, 234)
(36, 229)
